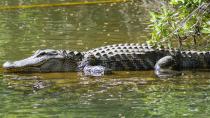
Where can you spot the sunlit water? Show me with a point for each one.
(129, 94)
(122, 94)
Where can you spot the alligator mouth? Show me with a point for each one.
(17, 66)
(22, 70)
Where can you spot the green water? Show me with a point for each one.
(128, 94)
(66, 95)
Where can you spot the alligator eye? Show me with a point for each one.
(52, 53)
(41, 54)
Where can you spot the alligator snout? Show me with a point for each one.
(8, 65)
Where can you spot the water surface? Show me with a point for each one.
(122, 94)
(80, 27)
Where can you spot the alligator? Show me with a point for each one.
(118, 57)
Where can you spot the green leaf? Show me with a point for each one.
(208, 23)
(206, 30)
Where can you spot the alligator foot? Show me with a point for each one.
(167, 67)
(91, 67)
(95, 70)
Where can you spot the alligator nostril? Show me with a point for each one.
(7, 64)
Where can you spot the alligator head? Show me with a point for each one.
(46, 61)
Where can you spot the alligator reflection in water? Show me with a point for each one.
(27, 83)
(41, 81)
(139, 91)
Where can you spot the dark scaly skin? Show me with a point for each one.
(115, 57)
(144, 57)
(48, 60)
(125, 56)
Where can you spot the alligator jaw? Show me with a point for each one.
(11, 67)
(30, 64)
(47, 60)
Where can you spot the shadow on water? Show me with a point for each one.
(129, 94)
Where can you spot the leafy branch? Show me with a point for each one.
(178, 21)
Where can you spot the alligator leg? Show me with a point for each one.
(90, 67)
(95, 70)
(167, 67)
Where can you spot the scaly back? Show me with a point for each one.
(127, 56)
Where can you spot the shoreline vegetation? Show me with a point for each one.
(173, 23)
(182, 23)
